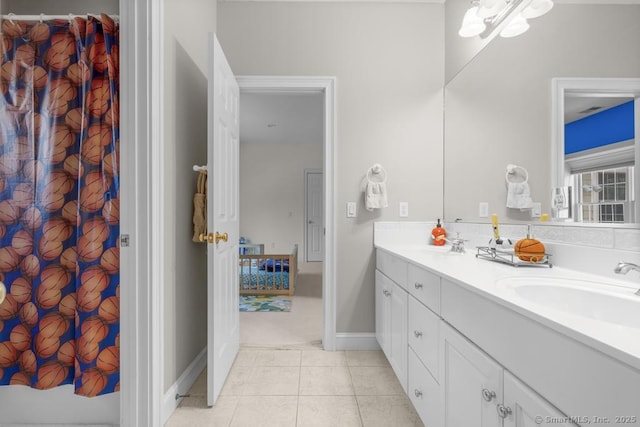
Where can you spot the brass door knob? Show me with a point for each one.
(224, 237)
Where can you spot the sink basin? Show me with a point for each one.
(592, 300)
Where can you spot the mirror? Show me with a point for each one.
(596, 124)
(498, 108)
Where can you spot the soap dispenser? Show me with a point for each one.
(439, 234)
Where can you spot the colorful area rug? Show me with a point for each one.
(264, 303)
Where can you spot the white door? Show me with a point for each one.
(314, 221)
(526, 408)
(223, 334)
(472, 384)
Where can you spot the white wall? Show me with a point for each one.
(272, 193)
(187, 24)
(498, 109)
(389, 63)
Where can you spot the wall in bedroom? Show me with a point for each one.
(272, 193)
(388, 60)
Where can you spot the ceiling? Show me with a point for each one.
(579, 106)
(281, 117)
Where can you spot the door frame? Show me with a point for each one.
(141, 218)
(326, 86)
(306, 210)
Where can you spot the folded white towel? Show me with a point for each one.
(519, 195)
(375, 196)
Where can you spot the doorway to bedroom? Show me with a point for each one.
(281, 217)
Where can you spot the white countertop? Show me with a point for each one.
(480, 276)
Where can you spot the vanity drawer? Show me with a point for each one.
(393, 267)
(424, 392)
(424, 335)
(425, 286)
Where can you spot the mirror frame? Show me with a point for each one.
(600, 86)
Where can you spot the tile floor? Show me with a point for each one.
(308, 387)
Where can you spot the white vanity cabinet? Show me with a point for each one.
(479, 392)
(391, 324)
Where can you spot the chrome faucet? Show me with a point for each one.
(625, 267)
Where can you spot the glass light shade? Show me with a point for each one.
(472, 24)
(516, 27)
(489, 8)
(537, 8)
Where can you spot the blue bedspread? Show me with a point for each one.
(253, 278)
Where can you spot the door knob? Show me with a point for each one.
(211, 238)
(224, 237)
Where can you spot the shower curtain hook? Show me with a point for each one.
(70, 17)
(41, 18)
(10, 17)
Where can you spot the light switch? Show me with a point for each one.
(404, 209)
(351, 209)
(483, 210)
(536, 210)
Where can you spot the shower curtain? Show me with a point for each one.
(59, 204)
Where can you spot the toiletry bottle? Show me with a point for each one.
(530, 249)
(438, 234)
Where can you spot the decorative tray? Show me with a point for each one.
(510, 258)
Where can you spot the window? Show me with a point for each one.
(606, 195)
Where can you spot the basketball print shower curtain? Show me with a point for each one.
(59, 204)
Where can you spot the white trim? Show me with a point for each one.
(326, 85)
(141, 387)
(603, 157)
(357, 341)
(182, 385)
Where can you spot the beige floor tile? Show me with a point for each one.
(375, 381)
(194, 412)
(328, 411)
(323, 358)
(238, 377)
(366, 358)
(325, 381)
(272, 381)
(265, 411)
(245, 358)
(385, 411)
(278, 358)
(200, 385)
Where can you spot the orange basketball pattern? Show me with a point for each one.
(59, 207)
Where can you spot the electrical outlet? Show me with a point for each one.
(351, 209)
(483, 210)
(536, 210)
(404, 209)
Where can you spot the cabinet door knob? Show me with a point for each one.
(503, 411)
(417, 285)
(418, 334)
(488, 395)
(386, 292)
(418, 393)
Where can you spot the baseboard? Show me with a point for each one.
(183, 385)
(356, 341)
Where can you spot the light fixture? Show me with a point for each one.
(485, 16)
(537, 8)
(489, 8)
(515, 27)
(472, 24)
